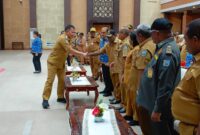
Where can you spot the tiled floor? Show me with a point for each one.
(20, 98)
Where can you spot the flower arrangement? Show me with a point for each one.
(99, 110)
(75, 75)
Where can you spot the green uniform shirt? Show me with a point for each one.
(160, 77)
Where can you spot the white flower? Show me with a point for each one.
(104, 106)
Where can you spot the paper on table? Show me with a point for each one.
(70, 68)
(108, 127)
(80, 81)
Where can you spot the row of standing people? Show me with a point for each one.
(144, 77)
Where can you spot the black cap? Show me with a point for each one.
(111, 33)
(161, 24)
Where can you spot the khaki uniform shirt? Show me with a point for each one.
(186, 97)
(109, 50)
(60, 52)
(121, 51)
(140, 57)
(93, 44)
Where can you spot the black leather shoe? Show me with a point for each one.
(115, 102)
(118, 108)
(37, 72)
(45, 104)
(102, 92)
(107, 94)
(133, 123)
(123, 110)
(96, 78)
(61, 100)
(128, 118)
(111, 100)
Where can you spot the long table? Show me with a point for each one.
(76, 118)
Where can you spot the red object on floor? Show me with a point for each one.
(2, 70)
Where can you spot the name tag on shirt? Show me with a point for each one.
(150, 73)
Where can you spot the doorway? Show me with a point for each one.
(1, 26)
(99, 26)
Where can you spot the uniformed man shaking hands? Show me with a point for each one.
(56, 65)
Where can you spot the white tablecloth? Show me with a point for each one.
(71, 68)
(108, 127)
(183, 71)
(80, 81)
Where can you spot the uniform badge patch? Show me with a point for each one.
(166, 63)
(143, 53)
(169, 50)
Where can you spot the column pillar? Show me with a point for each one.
(33, 16)
(67, 12)
(184, 21)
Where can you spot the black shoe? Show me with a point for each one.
(133, 123)
(128, 118)
(61, 100)
(123, 110)
(45, 104)
(115, 102)
(118, 108)
(107, 94)
(37, 72)
(96, 78)
(102, 92)
(111, 100)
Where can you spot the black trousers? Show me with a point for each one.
(107, 79)
(68, 61)
(36, 61)
(165, 127)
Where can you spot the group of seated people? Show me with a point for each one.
(142, 71)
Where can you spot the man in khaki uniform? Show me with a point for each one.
(141, 56)
(109, 49)
(186, 97)
(80, 45)
(92, 46)
(56, 65)
(121, 51)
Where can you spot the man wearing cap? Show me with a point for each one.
(186, 97)
(159, 79)
(121, 51)
(56, 65)
(141, 56)
(92, 46)
(130, 27)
